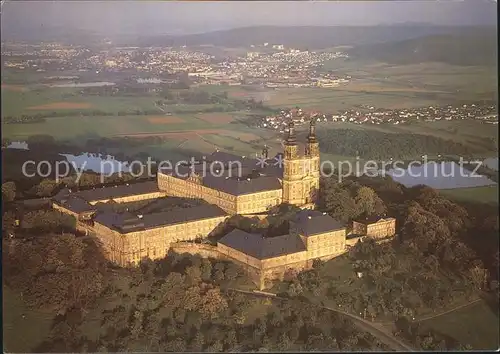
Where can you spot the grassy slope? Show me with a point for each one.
(476, 325)
(21, 335)
(487, 194)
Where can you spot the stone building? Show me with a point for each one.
(242, 185)
(376, 227)
(301, 173)
(224, 185)
(313, 235)
(128, 237)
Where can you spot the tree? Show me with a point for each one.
(284, 342)
(9, 191)
(368, 203)
(46, 188)
(478, 276)
(213, 303)
(216, 347)
(294, 289)
(8, 221)
(339, 204)
(193, 274)
(177, 345)
(192, 298)
(196, 344)
(219, 275)
(232, 272)
(206, 270)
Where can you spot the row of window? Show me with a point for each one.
(326, 251)
(258, 196)
(259, 204)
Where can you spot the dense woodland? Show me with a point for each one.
(177, 304)
(383, 146)
(444, 251)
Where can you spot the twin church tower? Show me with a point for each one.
(301, 173)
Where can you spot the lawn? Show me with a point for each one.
(487, 194)
(22, 335)
(476, 325)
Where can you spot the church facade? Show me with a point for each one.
(251, 186)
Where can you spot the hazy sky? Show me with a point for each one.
(113, 17)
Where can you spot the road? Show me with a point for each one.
(448, 311)
(437, 314)
(376, 330)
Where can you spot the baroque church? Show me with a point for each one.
(248, 186)
(238, 185)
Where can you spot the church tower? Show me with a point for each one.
(312, 172)
(301, 173)
(312, 147)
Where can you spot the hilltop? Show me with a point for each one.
(473, 48)
(304, 37)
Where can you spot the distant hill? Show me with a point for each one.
(305, 37)
(473, 48)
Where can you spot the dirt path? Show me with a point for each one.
(388, 323)
(376, 330)
(448, 311)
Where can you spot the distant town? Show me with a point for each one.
(486, 113)
(269, 65)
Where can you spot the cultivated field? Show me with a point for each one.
(216, 118)
(36, 99)
(487, 194)
(15, 88)
(190, 127)
(164, 120)
(61, 105)
(386, 86)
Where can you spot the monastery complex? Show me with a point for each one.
(210, 192)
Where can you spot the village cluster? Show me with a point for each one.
(486, 113)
